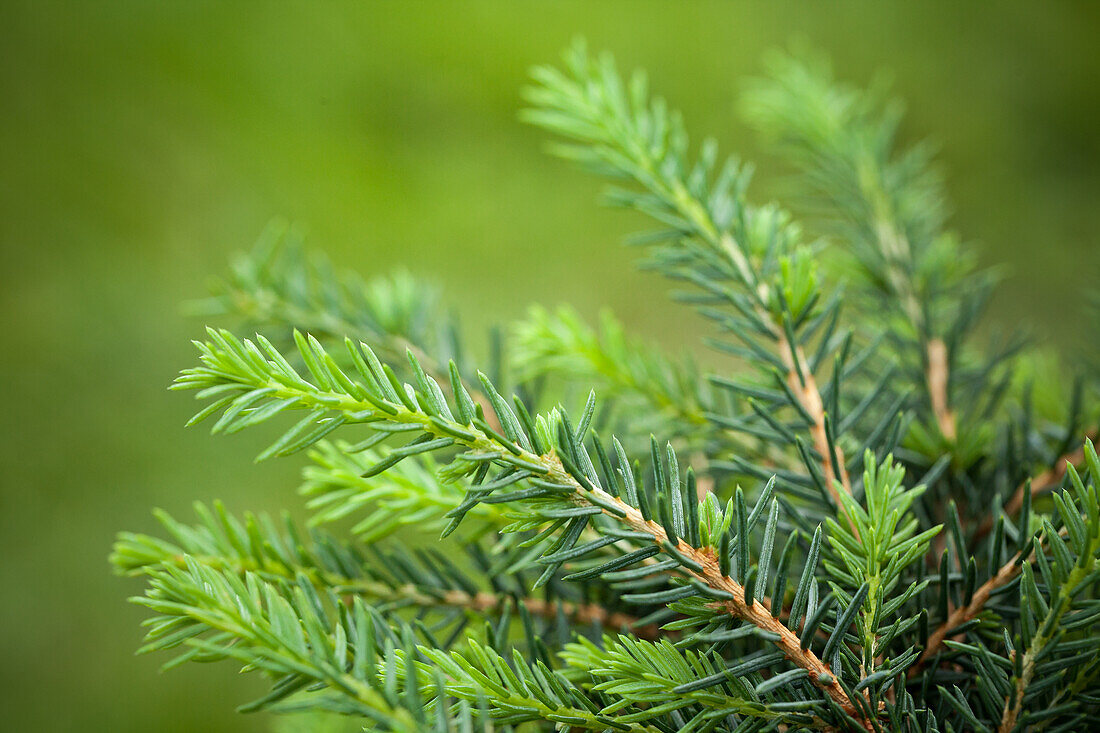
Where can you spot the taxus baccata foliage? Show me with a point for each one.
(864, 517)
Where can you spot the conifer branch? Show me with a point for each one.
(705, 567)
(410, 497)
(888, 204)
(523, 691)
(267, 385)
(665, 678)
(873, 554)
(397, 582)
(281, 284)
(1071, 574)
(281, 631)
(1037, 485)
(1020, 562)
(619, 131)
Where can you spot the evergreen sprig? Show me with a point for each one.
(562, 490)
(448, 595)
(755, 276)
(888, 531)
(873, 554)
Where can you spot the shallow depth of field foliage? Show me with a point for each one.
(861, 518)
(142, 143)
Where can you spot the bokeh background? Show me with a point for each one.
(141, 142)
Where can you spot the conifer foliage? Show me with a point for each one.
(865, 517)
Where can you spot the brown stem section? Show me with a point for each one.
(804, 386)
(898, 254)
(963, 614)
(959, 616)
(1012, 712)
(937, 377)
(1038, 484)
(805, 389)
(483, 602)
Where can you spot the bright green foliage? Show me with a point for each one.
(520, 691)
(664, 679)
(754, 275)
(393, 579)
(410, 497)
(651, 391)
(834, 532)
(875, 547)
(286, 631)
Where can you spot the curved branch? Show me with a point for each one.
(961, 615)
(804, 386)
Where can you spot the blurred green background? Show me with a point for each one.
(141, 142)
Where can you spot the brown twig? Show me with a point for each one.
(1014, 703)
(482, 602)
(937, 376)
(1012, 712)
(802, 383)
(1047, 479)
(962, 614)
(799, 378)
(579, 613)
